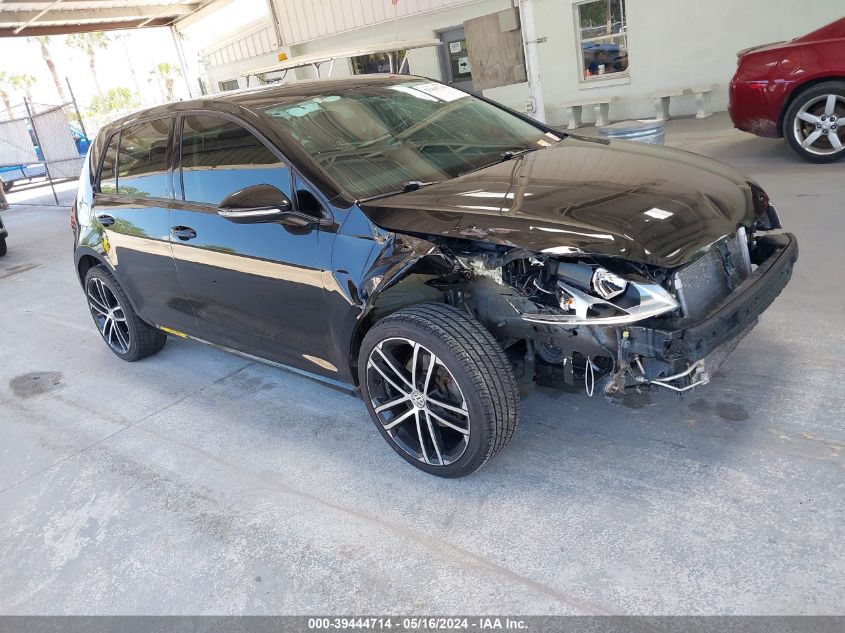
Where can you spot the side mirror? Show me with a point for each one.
(255, 204)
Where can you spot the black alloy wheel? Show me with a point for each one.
(439, 388)
(124, 332)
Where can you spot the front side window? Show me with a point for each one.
(141, 162)
(603, 39)
(374, 139)
(108, 172)
(220, 157)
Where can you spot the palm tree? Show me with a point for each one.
(167, 72)
(44, 42)
(89, 43)
(5, 84)
(115, 100)
(24, 82)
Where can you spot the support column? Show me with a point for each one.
(180, 53)
(532, 59)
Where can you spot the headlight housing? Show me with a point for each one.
(607, 284)
(590, 295)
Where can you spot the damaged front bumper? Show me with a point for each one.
(681, 353)
(677, 353)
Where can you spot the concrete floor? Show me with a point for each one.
(197, 482)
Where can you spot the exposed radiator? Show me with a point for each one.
(701, 284)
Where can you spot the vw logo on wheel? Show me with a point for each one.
(418, 400)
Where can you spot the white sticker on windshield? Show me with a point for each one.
(444, 93)
(454, 47)
(412, 92)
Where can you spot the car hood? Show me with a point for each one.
(621, 199)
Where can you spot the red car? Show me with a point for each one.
(795, 89)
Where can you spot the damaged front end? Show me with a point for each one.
(610, 324)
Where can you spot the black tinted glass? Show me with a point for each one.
(141, 162)
(374, 139)
(220, 157)
(107, 173)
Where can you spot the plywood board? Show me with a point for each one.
(496, 56)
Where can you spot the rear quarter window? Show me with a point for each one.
(108, 170)
(142, 159)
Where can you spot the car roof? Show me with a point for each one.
(306, 88)
(256, 98)
(247, 105)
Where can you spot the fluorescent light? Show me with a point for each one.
(658, 214)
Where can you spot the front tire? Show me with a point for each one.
(814, 124)
(3, 246)
(439, 388)
(124, 332)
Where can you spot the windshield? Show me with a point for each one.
(378, 139)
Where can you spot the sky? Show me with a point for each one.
(128, 61)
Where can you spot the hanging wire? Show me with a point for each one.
(589, 377)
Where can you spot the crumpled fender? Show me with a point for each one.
(400, 254)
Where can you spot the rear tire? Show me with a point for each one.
(2, 246)
(124, 332)
(814, 123)
(7, 186)
(439, 388)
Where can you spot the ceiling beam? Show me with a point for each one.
(205, 10)
(36, 16)
(7, 3)
(164, 10)
(66, 14)
(67, 29)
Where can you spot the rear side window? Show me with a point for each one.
(141, 163)
(108, 182)
(220, 157)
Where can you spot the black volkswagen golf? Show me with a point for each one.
(423, 247)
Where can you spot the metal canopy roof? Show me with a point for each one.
(57, 17)
(317, 59)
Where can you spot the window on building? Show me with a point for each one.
(220, 157)
(603, 40)
(142, 160)
(380, 63)
(231, 84)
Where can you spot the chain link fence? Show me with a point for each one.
(45, 146)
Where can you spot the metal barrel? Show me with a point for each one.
(645, 131)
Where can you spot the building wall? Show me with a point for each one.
(422, 61)
(251, 46)
(308, 20)
(671, 43)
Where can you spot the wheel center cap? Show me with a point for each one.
(418, 399)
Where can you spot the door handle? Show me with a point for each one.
(184, 233)
(105, 219)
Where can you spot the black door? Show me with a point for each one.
(134, 192)
(256, 288)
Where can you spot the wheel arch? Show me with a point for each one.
(86, 258)
(85, 263)
(404, 287)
